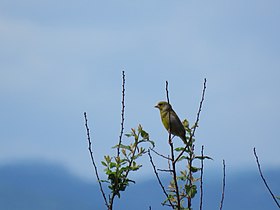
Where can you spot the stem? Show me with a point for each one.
(196, 122)
(201, 179)
(190, 176)
(93, 161)
(175, 176)
(264, 181)
(173, 162)
(122, 114)
(224, 185)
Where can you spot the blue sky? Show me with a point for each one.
(61, 58)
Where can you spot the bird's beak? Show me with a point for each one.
(156, 106)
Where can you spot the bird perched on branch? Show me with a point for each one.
(174, 125)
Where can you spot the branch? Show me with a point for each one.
(159, 181)
(190, 179)
(93, 161)
(264, 181)
(224, 184)
(197, 120)
(122, 114)
(165, 170)
(200, 108)
(160, 154)
(201, 179)
(166, 89)
(173, 163)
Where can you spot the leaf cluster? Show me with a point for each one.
(117, 168)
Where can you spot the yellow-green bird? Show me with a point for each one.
(175, 123)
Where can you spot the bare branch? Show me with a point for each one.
(200, 108)
(166, 89)
(122, 114)
(264, 181)
(165, 170)
(160, 154)
(197, 120)
(93, 161)
(159, 181)
(224, 185)
(201, 178)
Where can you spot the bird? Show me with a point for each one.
(174, 126)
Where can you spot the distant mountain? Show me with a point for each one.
(35, 186)
(41, 186)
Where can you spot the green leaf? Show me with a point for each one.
(194, 169)
(183, 157)
(186, 123)
(183, 176)
(107, 171)
(123, 152)
(278, 197)
(130, 180)
(191, 190)
(103, 180)
(203, 157)
(140, 127)
(118, 194)
(111, 176)
(128, 134)
(112, 165)
(178, 149)
(103, 163)
(121, 146)
(107, 158)
(144, 134)
(136, 167)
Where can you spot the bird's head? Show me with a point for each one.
(163, 106)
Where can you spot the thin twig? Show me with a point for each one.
(224, 185)
(93, 161)
(160, 154)
(264, 181)
(166, 89)
(164, 170)
(122, 114)
(196, 122)
(191, 145)
(120, 137)
(200, 108)
(159, 181)
(201, 178)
